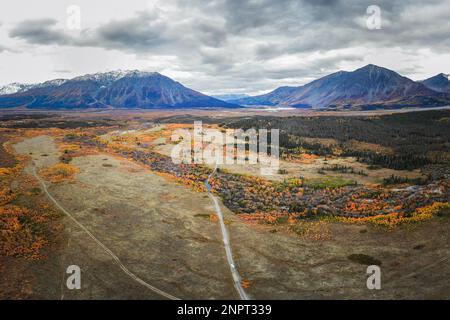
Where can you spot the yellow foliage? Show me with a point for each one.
(24, 231)
(316, 230)
(6, 172)
(13, 210)
(69, 147)
(6, 195)
(59, 172)
(394, 219)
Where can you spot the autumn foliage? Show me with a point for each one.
(60, 172)
(24, 231)
(6, 195)
(394, 219)
(26, 227)
(274, 202)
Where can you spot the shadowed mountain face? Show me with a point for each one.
(119, 89)
(370, 86)
(439, 83)
(273, 98)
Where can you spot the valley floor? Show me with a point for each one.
(168, 236)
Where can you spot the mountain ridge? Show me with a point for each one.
(114, 89)
(439, 82)
(367, 87)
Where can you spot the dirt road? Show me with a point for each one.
(237, 280)
(163, 234)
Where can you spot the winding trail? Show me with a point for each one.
(226, 241)
(105, 248)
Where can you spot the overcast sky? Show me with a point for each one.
(221, 46)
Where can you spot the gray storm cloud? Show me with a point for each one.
(234, 41)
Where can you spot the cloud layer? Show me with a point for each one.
(252, 46)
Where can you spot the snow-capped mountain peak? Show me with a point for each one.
(120, 89)
(14, 88)
(115, 75)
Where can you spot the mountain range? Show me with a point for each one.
(116, 89)
(230, 96)
(369, 87)
(439, 83)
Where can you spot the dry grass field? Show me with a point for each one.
(164, 230)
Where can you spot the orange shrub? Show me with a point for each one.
(316, 230)
(6, 195)
(59, 172)
(245, 284)
(11, 210)
(394, 219)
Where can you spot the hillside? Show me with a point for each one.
(118, 89)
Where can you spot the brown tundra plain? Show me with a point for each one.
(100, 191)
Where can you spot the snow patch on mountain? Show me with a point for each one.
(14, 88)
(111, 76)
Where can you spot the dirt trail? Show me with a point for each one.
(136, 215)
(162, 232)
(226, 241)
(105, 248)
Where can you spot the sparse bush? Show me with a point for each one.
(364, 259)
(60, 172)
(399, 180)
